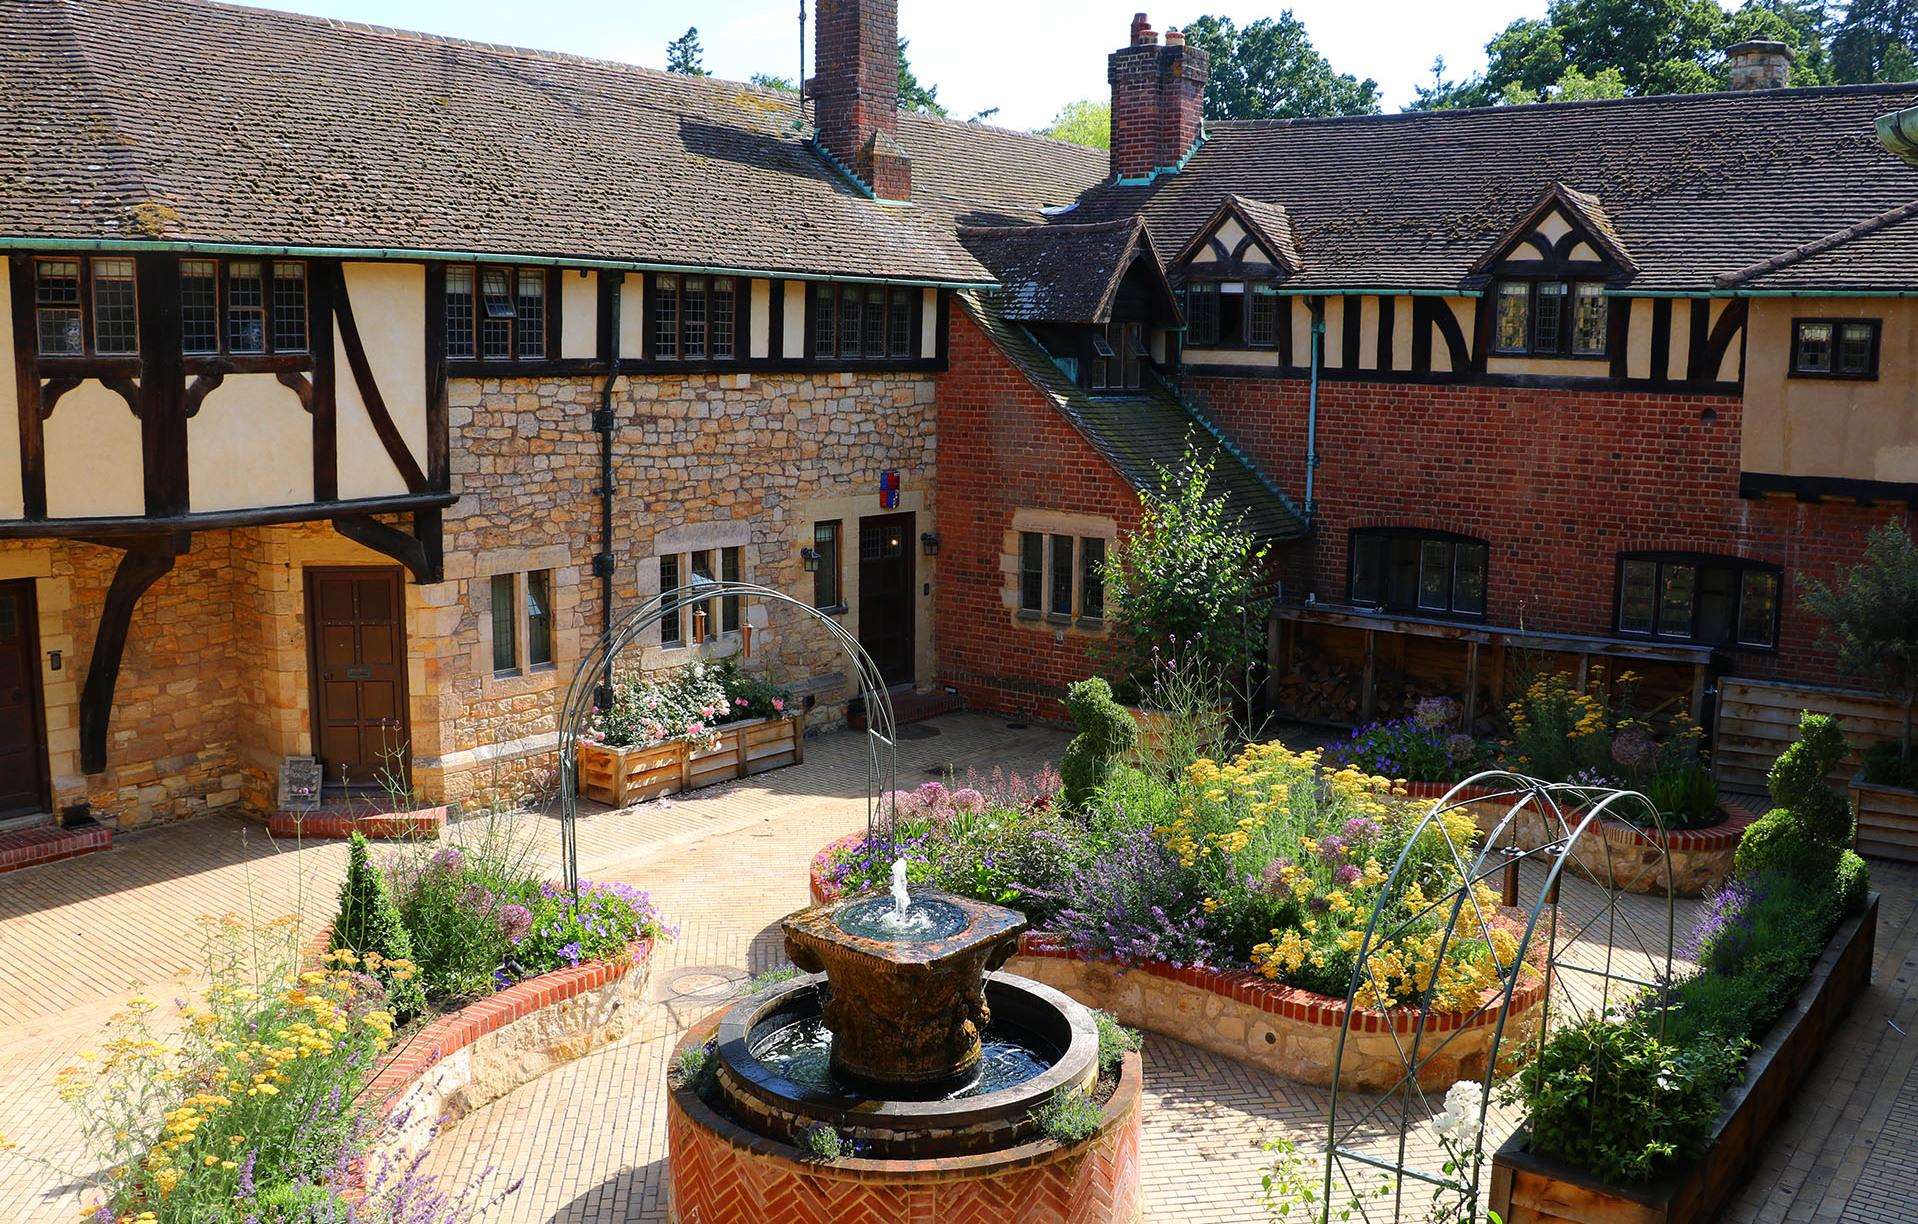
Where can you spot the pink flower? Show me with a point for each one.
(740, 702)
(779, 705)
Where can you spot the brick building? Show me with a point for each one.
(355, 398)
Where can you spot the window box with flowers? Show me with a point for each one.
(693, 727)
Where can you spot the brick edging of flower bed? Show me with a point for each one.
(1736, 813)
(448, 1034)
(423, 824)
(1243, 986)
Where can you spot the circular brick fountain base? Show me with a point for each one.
(722, 1173)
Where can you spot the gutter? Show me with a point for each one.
(1898, 132)
(134, 246)
(603, 425)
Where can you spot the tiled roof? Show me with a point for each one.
(1694, 186)
(1147, 434)
(196, 121)
(1057, 273)
(1272, 225)
(1874, 254)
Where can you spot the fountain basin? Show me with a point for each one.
(906, 1005)
(1058, 1037)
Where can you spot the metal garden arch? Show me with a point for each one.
(1554, 818)
(592, 681)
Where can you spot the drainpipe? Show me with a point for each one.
(1312, 405)
(603, 425)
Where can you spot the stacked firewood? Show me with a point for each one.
(1323, 690)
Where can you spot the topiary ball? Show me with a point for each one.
(1778, 841)
(1798, 780)
(1852, 882)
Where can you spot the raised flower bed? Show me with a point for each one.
(1887, 819)
(1528, 1188)
(694, 727)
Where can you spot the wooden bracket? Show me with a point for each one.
(123, 387)
(51, 391)
(144, 562)
(199, 389)
(421, 553)
(300, 386)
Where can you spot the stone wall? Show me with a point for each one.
(700, 461)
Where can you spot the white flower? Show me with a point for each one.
(1458, 1121)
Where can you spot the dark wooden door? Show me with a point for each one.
(23, 751)
(885, 594)
(356, 635)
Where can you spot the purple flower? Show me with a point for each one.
(570, 953)
(477, 897)
(245, 1184)
(1360, 829)
(448, 858)
(966, 799)
(1332, 848)
(1347, 875)
(515, 921)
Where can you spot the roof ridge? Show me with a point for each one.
(1052, 228)
(1716, 95)
(1818, 246)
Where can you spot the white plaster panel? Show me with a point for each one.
(579, 313)
(389, 307)
(93, 455)
(794, 341)
(251, 444)
(929, 334)
(759, 334)
(632, 316)
(12, 500)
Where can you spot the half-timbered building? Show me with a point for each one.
(360, 376)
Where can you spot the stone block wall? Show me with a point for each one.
(1006, 451)
(1557, 481)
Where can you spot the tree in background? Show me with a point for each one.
(1876, 40)
(1870, 617)
(920, 99)
(1087, 123)
(1270, 70)
(684, 54)
(1584, 49)
(778, 84)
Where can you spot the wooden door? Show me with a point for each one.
(23, 749)
(356, 636)
(885, 594)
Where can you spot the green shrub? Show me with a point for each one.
(821, 1143)
(1778, 843)
(1106, 734)
(1115, 1042)
(1798, 780)
(287, 1203)
(1685, 794)
(1069, 1116)
(1613, 1098)
(368, 921)
(1887, 765)
(1708, 1006)
(1853, 882)
(697, 1070)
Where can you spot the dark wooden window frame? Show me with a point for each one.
(1871, 372)
(1565, 349)
(1194, 338)
(477, 364)
(1049, 573)
(1698, 561)
(1418, 535)
(89, 353)
(829, 580)
(521, 583)
(268, 359)
(891, 359)
(742, 312)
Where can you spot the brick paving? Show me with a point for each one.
(77, 937)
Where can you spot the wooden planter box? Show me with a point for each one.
(622, 776)
(1532, 1189)
(1887, 819)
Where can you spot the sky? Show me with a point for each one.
(1026, 57)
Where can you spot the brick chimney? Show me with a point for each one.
(1158, 97)
(1759, 64)
(855, 91)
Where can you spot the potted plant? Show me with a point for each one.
(691, 727)
(1871, 621)
(1180, 594)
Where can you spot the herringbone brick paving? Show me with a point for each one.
(76, 938)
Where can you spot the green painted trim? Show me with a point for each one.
(376, 254)
(1159, 172)
(1375, 291)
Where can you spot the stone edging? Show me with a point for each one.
(1737, 812)
(721, 1171)
(478, 1053)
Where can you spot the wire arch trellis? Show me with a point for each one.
(1561, 816)
(591, 685)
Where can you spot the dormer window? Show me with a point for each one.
(1550, 318)
(1117, 356)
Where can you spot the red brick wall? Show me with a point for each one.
(1158, 98)
(1003, 447)
(856, 87)
(1558, 482)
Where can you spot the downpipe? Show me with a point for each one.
(1312, 408)
(604, 425)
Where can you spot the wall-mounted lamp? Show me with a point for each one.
(811, 557)
(929, 540)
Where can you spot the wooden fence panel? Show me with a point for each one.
(1758, 719)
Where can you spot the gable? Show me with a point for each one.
(1243, 240)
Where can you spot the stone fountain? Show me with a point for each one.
(903, 1039)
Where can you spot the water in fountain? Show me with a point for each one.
(901, 919)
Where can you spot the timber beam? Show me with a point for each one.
(421, 553)
(142, 563)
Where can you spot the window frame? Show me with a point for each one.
(882, 338)
(1455, 544)
(1739, 568)
(474, 359)
(1876, 327)
(826, 570)
(519, 586)
(677, 612)
(1207, 328)
(1045, 576)
(85, 307)
(1567, 292)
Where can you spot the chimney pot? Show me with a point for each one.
(1158, 97)
(1759, 63)
(1142, 32)
(1173, 38)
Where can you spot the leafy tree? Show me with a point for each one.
(1871, 619)
(1087, 123)
(1270, 70)
(685, 56)
(766, 80)
(1876, 40)
(920, 99)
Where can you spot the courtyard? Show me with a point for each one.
(587, 1141)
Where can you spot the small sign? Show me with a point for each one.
(300, 779)
(889, 489)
